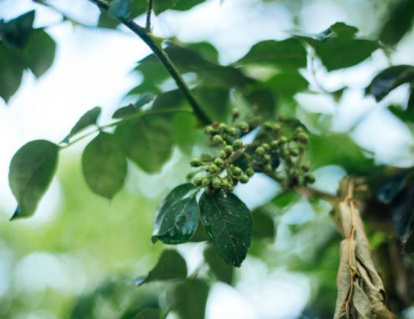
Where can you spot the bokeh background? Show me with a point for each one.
(77, 241)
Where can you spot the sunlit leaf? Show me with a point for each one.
(214, 102)
(400, 21)
(282, 54)
(189, 299)
(147, 141)
(88, 119)
(171, 265)
(389, 79)
(104, 165)
(286, 84)
(31, 171)
(338, 149)
(342, 49)
(11, 72)
(223, 272)
(39, 53)
(177, 217)
(228, 222)
(16, 33)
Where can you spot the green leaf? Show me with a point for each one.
(228, 223)
(11, 72)
(87, 119)
(263, 225)
(389, 79)
(39, 53)
(171, 265)
(287, 84)
(185, 133)
(263, 101)
(399, 22)
(120, 8)
(177, 217)
(189, 299)
(218, 267)
(31, 171)
(104, 165)
(181, 5)
(281, 54)
(403, 213)
(214, 101)
(16, 33)
(342, 49)
(133, 108)
(148, 141)
(168, 100)
(391, 186)
(338, 149)
(148, 313)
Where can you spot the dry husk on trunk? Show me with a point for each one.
(361, 293)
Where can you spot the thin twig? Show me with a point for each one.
(163, 58)
(149, 11)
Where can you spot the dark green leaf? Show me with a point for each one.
(281, 54)
(87, 119)
(133, 108)
(31, 171)
(214, 101)
(168, 100)
(177, 217)
(107, 21)
(391, 186)
(148, 313)
(403, 213)
(11, 72)
(219, 268)
(189, 299)
(338, 149)
(399, 22)
(171, 265)
(389, 79)
(287, 84)
(16, 33)
(147, 141)
(263, 101)
(228, 223)
(39, 53)
(285, 199)
(104, 165)
(341, 49)
(120, 8)
(263, 225)
(405, 116)
(185, 133)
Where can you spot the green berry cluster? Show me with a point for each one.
(277, 151)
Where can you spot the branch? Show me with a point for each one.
(149, 11)
(163, 58)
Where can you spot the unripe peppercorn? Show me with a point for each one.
(259, 151)
(198, 181)
(294, 152)
(243, 126)
(268, 125)
(218, 161)
(196, 162)
(277, 128)
(274, 144)
(267, 157)
(309, 178)
(283, 140)
(250, 171)
(303, 138)
(238, 144)
(232, 131)
(236, 113)
(222, 127)
(209, 129)
(244, 178)
(225, 183)
(229, 188)
(236, 171)
(223, 155)
(268, 168)
(217, 139)
(216, 183)
(213, 169)
(206, 181)
(305, 167)
(266, 146)
(228, 149)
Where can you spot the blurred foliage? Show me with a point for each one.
(103, 254)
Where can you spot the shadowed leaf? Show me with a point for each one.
(399, 22)
(16, 33)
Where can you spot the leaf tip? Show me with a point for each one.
(15, 214)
